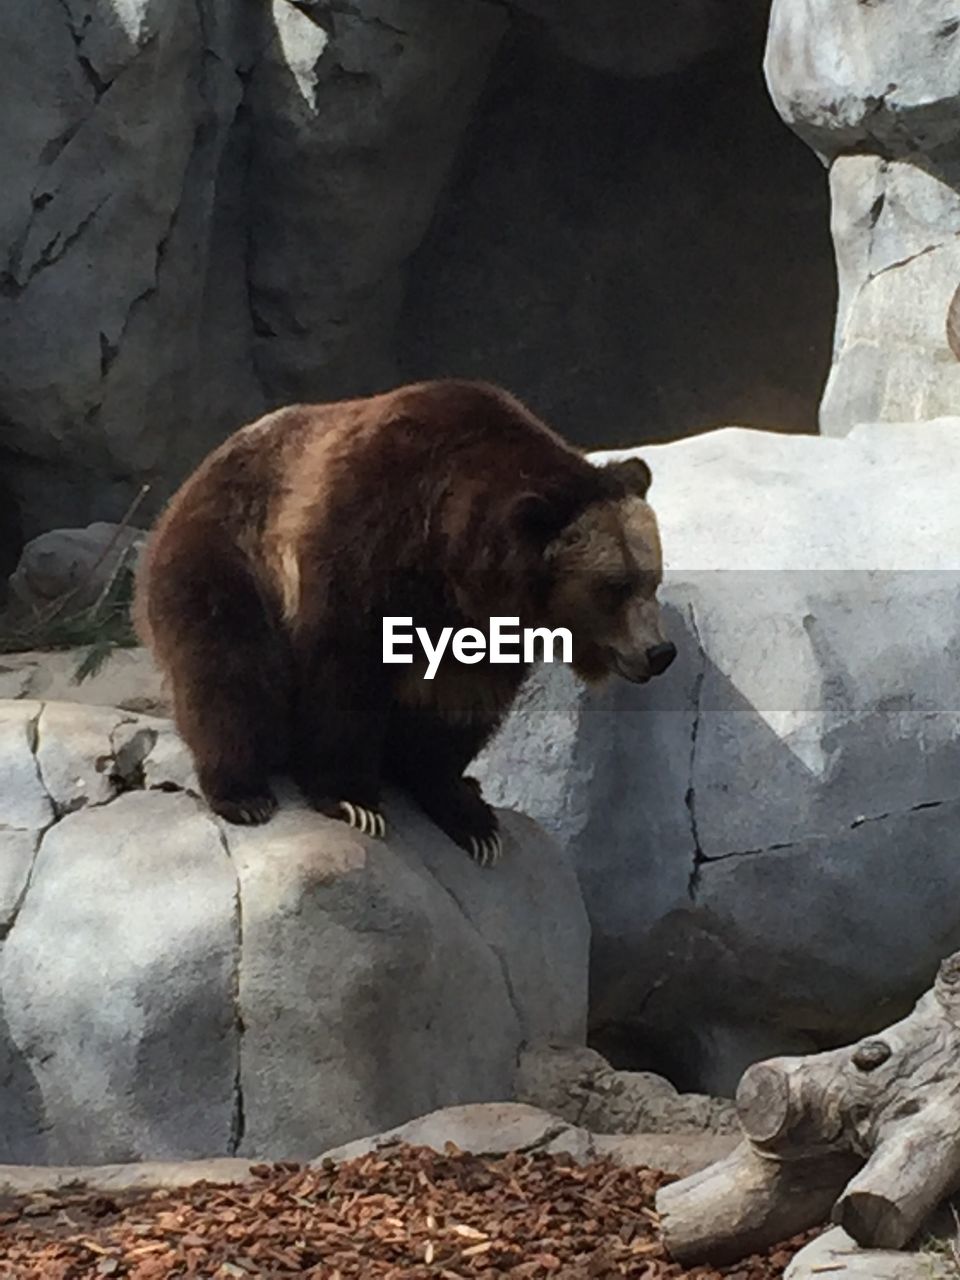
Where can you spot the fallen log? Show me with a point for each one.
(868, 1135)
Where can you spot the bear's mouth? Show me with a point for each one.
(636, 675)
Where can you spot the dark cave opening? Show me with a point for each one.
(638, 259)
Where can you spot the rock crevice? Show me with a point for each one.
(690, 798)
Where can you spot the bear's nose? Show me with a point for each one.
(660, 656)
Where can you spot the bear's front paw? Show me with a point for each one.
(486, 852)
(369, 822)
(470, 822)
(245, 810)
(362, 818)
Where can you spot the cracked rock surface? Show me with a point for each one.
(210, 207)
(874, 89)
(173, 988)
(206, 208)
(111, 156)
(358, 110)
(767, 834)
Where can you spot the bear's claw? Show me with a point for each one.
(369, 822)
(486, 852)
(246, 811)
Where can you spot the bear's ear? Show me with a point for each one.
(537, 518)
(631, 476)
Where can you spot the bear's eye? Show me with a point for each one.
(612, 593)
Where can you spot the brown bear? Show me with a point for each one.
(265, 584)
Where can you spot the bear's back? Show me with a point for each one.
(422, 475)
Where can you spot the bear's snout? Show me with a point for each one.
(650, 662)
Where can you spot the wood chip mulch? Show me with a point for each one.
(403, 1212)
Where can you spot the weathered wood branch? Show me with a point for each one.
(745, 1203)
(868, 1134)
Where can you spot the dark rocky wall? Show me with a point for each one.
(210, 209)
(640, 259)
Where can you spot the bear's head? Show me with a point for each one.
(605, 566)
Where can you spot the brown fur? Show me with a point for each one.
(264, 586)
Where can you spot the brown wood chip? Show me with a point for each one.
(405, 1214)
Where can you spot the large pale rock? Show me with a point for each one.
(491, 1130)
(875, 90)
(174, 987)
(872, 76)
(836, 1254)
(27, 806)
(766, 835)
(117, 988)
(896, 230)
(17, 849)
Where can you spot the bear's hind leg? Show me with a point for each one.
(426, 757)
(225, 738)
(225, 663)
